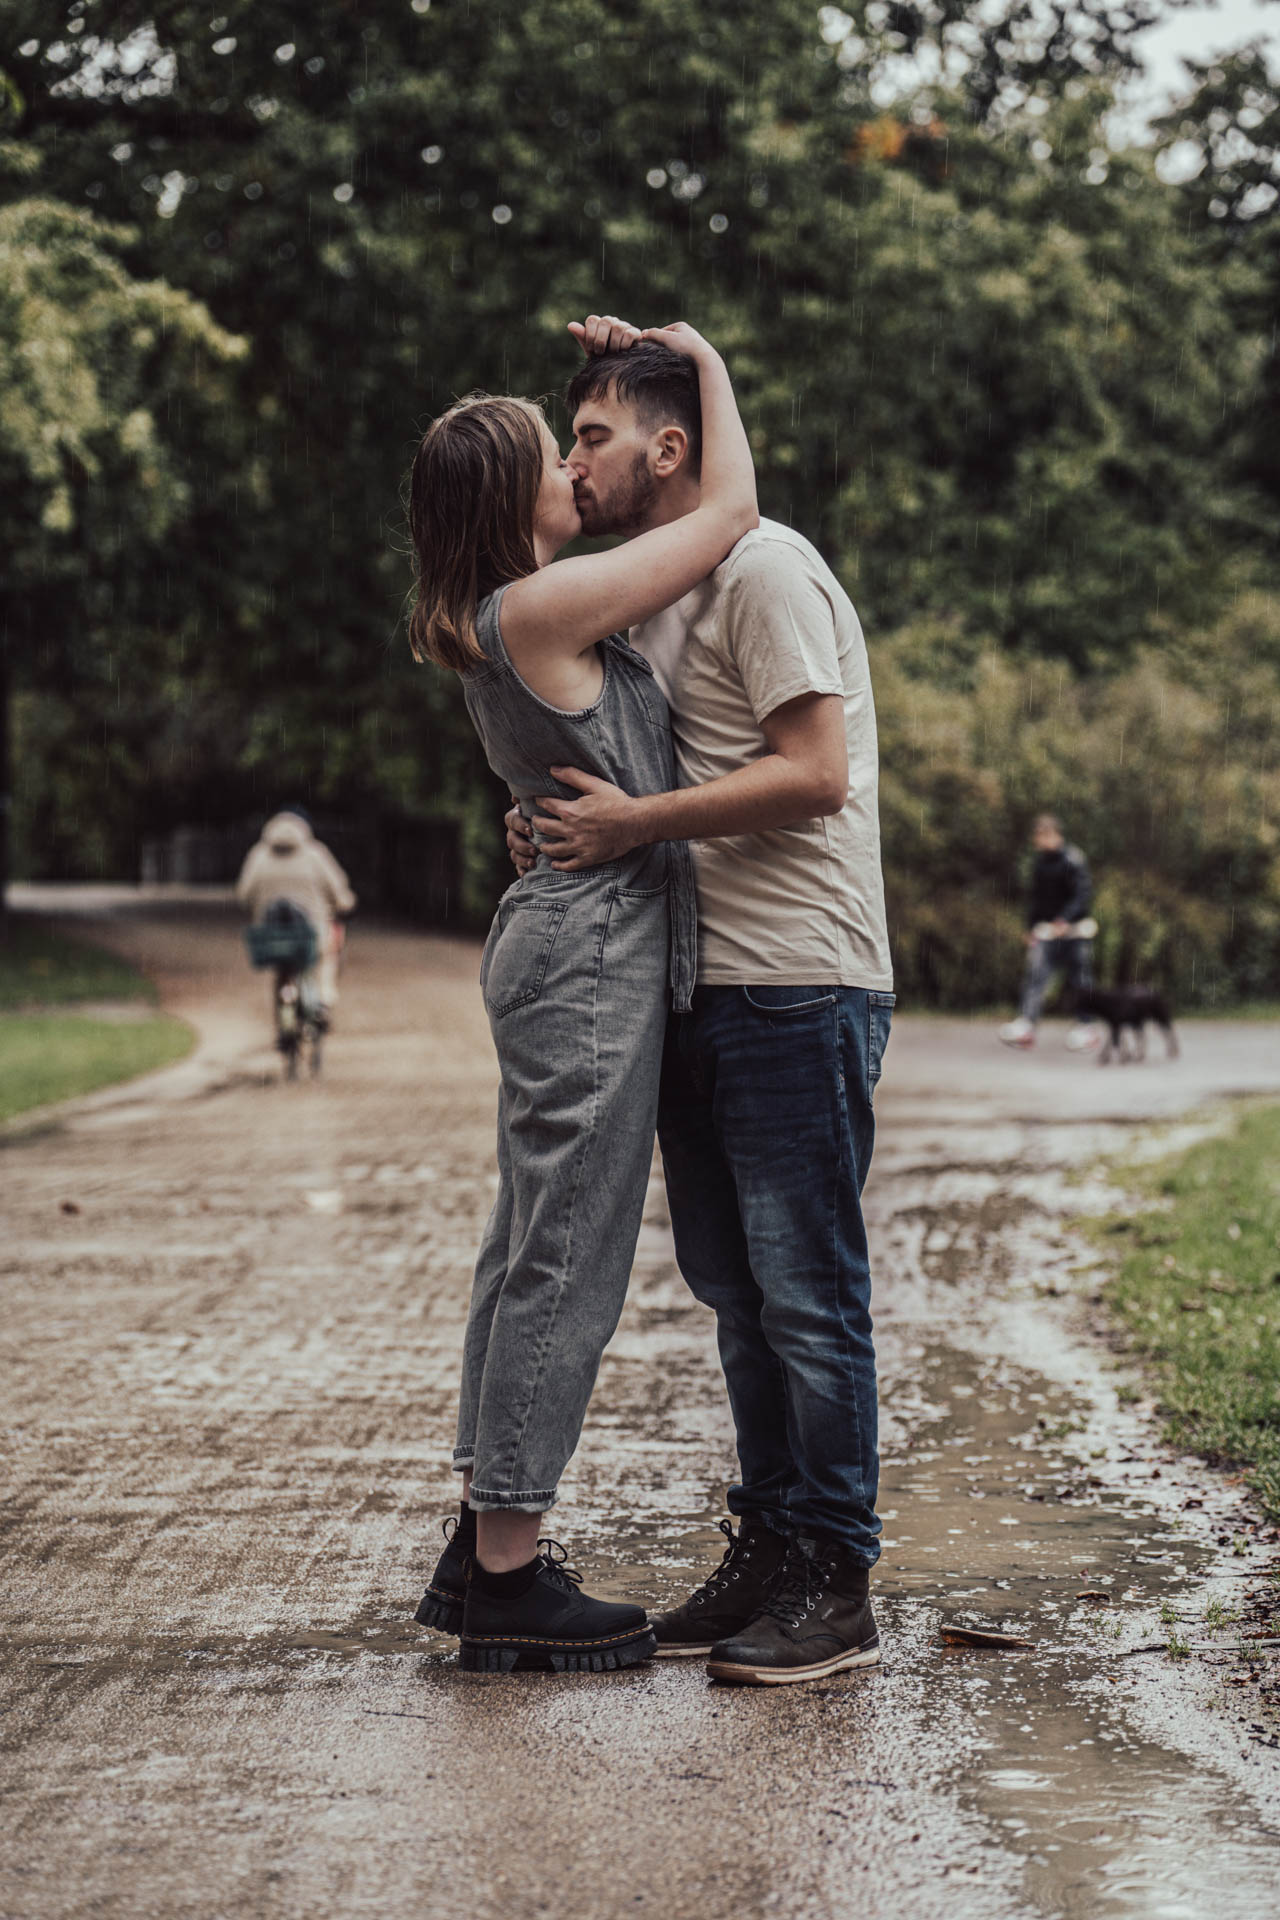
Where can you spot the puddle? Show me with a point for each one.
(1108, 1821)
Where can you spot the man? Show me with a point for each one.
(1059, 934)
(288, 863)
(765, 1117)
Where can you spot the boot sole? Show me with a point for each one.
(439, 1611)
(746, 1676)
(556, 1656)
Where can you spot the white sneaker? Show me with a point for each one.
(1085, 1037)
(1018, 1033)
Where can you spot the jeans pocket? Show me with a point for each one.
(517, 957)
(787, 1002)
(879, 1015)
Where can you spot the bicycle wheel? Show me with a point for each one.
(288, 1023)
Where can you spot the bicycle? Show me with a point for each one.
(285, 941)
(298, 1023)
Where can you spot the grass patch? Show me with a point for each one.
(41, 968)
(1198, 1289)
(1238, 1010)
(56, 1056)
(49, 1051)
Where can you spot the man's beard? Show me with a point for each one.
(626, 508)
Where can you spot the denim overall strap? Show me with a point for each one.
(683, 895)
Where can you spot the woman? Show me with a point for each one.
(576, 970)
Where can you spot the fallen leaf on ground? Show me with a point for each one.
(980, 1637)
(70, 1206)
(1093, 1593)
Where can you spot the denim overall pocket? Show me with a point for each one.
(515, 961)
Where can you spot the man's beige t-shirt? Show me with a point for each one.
(798, 904)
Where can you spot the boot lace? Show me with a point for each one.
(720, 1577)
(556, 1561)
(801, 1584)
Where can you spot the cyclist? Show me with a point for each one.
(289, 865)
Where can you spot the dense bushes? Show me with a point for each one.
(1167, 774)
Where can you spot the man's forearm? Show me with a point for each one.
(770, 792)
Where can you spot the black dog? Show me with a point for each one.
(1129, 1007)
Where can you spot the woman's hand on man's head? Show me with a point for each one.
(604, 333)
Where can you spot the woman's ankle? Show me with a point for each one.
(506, 1541)
(508, 1584)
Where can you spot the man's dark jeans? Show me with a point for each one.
(1075, 957)
(766, 1128)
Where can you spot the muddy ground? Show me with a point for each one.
(232, 1318)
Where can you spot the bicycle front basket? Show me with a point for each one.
(279, 944)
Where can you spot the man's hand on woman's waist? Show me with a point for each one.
(520, 840)
(603, 825)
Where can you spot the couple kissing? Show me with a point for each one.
(695, 943)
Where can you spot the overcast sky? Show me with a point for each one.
(1196, 31)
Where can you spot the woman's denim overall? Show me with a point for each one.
(577, 974)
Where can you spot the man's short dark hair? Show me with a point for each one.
(660, 384)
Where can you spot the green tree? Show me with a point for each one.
(93, 479)
(1222, 142)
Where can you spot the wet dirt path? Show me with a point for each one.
(228, 1394)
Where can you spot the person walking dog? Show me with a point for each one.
(1059, 936)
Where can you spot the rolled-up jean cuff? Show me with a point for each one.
(463, 1457)
(484, 1500)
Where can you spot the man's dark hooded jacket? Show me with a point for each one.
(1061, 887)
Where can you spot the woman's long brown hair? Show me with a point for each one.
(473, 496)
